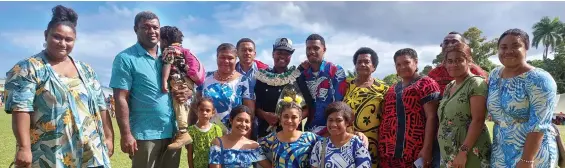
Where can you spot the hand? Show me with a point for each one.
(363, 138)
(110, 144)
(23, 157)
(460, 160)
(521, 164)
(427, 156)
(271, 118)
(128, 144)
(305, 64)
(182, 93)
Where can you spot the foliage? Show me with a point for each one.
(554, 66)
(426, 70)
(481, 48)
(351, 74)
(391, 79)
(548, 32)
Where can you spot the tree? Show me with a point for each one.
(351, 74)
(480, 47)
(554, 66)
(549, 32)
(426, 70)
(391, 79)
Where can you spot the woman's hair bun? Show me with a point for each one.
(64, 14)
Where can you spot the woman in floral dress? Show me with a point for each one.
(463, 136)
(364, 95)
(59, 115)
(226, 87)
(521, 100)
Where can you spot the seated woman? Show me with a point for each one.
(341, 149)
(234, 149)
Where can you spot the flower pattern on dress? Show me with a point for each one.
(225, 96)
(235, 158)
(66, 128)
(518, 106)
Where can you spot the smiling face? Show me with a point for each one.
(364, 65)
(405, 66)
(246, 52)
(511, 51)
(456, 64)
(241, 124)
(315, 51)
(281, 58)
(148, 32)
(451, 40)
(337, 124)
(60, 41)
(290, 119)
(226, 61)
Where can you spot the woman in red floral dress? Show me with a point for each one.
(409, 117)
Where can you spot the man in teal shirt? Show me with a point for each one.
(144, 114)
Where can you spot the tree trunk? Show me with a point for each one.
(545, 52)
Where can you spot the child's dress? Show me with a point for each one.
(201, 144)
(351, 155)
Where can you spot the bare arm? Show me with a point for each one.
(478, 113)
(21, 127)
(122, 111)
(165, 72)
(193, 118)
(431, 124)
(108, 130)
(265, 163)
(532, 145)
(189, 156)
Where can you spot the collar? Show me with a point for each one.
(240, 70)
(142, 51)
(322, 68)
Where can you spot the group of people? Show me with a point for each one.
(248, 114)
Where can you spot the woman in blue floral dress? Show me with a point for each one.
(58, 110)
(234, 150)
(521, 100)
(341, 149)
(226, 87)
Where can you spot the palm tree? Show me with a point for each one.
(549, 33)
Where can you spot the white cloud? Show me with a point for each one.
(257, 16)
(98, 46)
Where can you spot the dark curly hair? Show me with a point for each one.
(63, 16)
(366, 50)
(406, 51)
(517, 32)
(171, 34)
(342, 109)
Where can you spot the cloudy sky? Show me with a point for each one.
(106, 28)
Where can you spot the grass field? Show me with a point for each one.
(120, 159)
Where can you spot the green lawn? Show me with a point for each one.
(121, 160)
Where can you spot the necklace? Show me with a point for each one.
(274, 79)
(227, 78)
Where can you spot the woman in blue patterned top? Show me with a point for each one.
(521, 100)
(234, 149)
(226, 87)
(289, 148)
(341, 149)
(58, 111)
